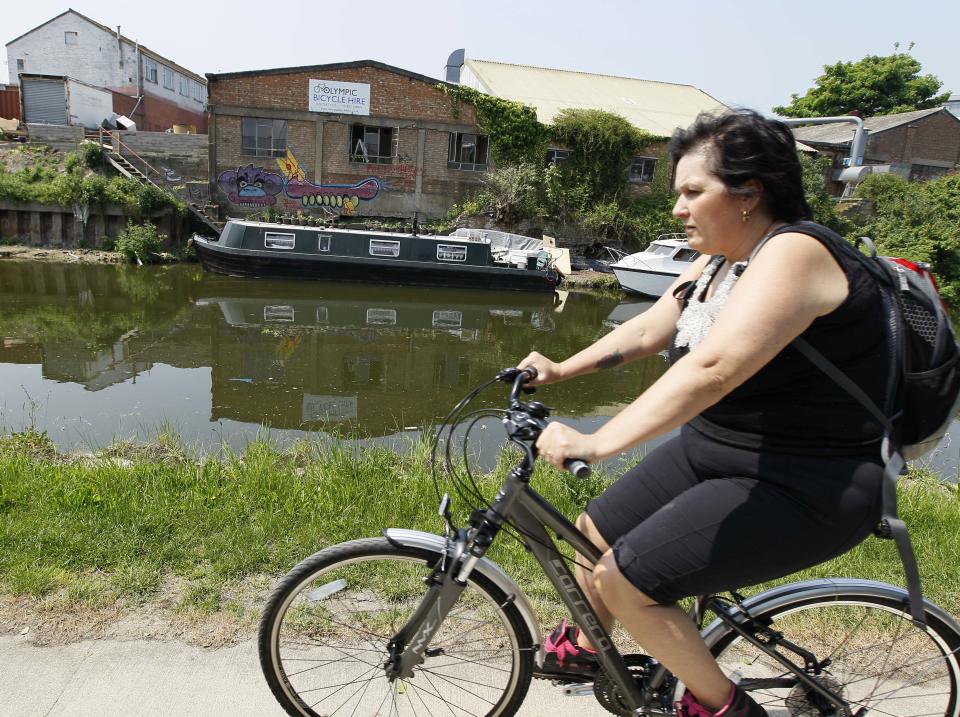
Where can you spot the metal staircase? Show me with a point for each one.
(121, 158)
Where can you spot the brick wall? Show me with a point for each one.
(391, 94)
(154, 114)
(935, 137)
(412, 105)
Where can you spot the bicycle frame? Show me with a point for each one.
(533, 517)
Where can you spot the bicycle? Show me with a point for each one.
(417, 623)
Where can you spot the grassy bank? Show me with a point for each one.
(116, 528)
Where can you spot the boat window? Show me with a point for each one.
(447, 319)
(323, 315)
(323, 242)
(655, 248)
(381, 317)
(276, 240)
(384, 247)
(278, 313)
(451, 252)
(686, 255)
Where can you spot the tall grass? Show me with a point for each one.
(118, 525)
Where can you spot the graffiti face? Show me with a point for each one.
(251, 186)
(256, 187)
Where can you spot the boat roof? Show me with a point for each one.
(365, 232)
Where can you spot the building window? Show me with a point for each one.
(70, 38)
(277, 240)
(555, 156)
(384, 247)
(198, 92)
(184, 87)
(263, 137)
(451, 252)
(150, 71)
(468, 151)
(19, 65)
(373, 145)
(168, 78)
(642, 169)
(323, 243)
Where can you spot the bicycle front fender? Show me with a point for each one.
(783, 596)
(487, 568)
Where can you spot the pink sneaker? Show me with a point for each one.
(739, 704)
(563, 658)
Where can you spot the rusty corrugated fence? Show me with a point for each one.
(10, 103)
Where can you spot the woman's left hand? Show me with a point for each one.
(559, 442)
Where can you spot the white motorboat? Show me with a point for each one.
(651, 271)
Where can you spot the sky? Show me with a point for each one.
(754, 53)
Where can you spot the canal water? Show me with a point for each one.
(93, 354)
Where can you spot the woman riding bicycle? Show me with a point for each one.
(774, 469)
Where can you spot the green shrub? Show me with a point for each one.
(140, 241)
(918, 221)
(90, 154)
(71, 162)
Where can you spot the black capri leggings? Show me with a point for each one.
(698, 517)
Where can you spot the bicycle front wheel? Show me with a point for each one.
(324, 633)
(872, 655)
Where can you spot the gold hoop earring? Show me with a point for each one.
(746, 216)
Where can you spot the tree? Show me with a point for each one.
(875, 85)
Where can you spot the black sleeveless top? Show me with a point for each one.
(789, 405)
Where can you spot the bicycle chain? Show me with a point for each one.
(607, 694)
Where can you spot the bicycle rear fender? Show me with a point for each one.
(783, 596)
(487, 568)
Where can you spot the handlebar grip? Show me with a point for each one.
(580, 469)
(531, 372)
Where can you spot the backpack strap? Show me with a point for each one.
(891, 526)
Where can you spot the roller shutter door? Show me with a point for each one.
(44, 101)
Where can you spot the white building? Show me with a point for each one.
(147, 87)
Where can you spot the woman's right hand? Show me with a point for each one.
(547, 371)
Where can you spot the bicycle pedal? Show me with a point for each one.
(577, 689)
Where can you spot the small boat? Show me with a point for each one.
(468, 258)
(651, 271)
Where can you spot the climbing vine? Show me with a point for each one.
(516, 135)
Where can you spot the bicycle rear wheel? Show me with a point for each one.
(879, 661)
(325, 628)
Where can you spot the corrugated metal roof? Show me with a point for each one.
(658, 107)
(843, 133)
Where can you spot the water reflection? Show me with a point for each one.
(93, 353)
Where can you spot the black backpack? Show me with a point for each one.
(923, 386)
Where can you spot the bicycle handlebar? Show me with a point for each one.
(520, 377)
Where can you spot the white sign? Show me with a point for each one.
(343, 98)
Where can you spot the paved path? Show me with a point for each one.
(108, 678)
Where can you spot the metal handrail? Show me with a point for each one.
(121, 145)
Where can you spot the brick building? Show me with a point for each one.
(354, 138)
(918, 145)
(152, 90)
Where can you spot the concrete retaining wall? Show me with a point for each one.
(54, 226)
(64, 138)
(184, 154)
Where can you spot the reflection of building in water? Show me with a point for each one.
(364, 364)
(94, 369)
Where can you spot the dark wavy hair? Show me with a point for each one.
(743, 145)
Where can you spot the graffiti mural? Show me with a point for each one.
(251, 186)
(255, 186)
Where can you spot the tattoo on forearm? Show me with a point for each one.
(610, 360)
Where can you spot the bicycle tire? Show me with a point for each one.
(880, 660)
(322, 643)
